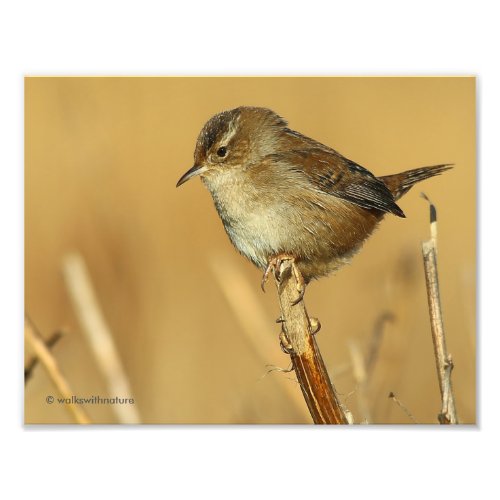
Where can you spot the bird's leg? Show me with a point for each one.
(274, 265)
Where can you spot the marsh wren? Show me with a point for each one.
(282, 195)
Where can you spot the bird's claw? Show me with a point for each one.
(314, 325)
(301, 285)
(285, 344)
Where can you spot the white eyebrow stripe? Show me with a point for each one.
(231, 131)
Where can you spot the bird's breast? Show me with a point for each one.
(257, 224)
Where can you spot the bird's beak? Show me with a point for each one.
(192, 172)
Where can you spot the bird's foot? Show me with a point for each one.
(274, 266)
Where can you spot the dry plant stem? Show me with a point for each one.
(376, 340)
(359, 369)
(33, 361)
(444, 363)
(99, 335)
(46, 358)
(317, 389)
(403, 407)
(362, 370)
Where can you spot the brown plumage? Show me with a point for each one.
(280, 193)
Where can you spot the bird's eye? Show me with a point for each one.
(222, 152)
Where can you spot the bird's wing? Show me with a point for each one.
(331, 173)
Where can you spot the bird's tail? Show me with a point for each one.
(399, 184)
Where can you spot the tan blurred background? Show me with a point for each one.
(102, 159)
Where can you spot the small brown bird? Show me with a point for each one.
(282, 195)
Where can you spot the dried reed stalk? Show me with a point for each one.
(359, 371)
(444, 364)
(43, 354)
(33, 360)
(393, 397)
(362, 369)
(98, 334)
(317, 389)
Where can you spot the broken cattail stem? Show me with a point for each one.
(444, 363)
